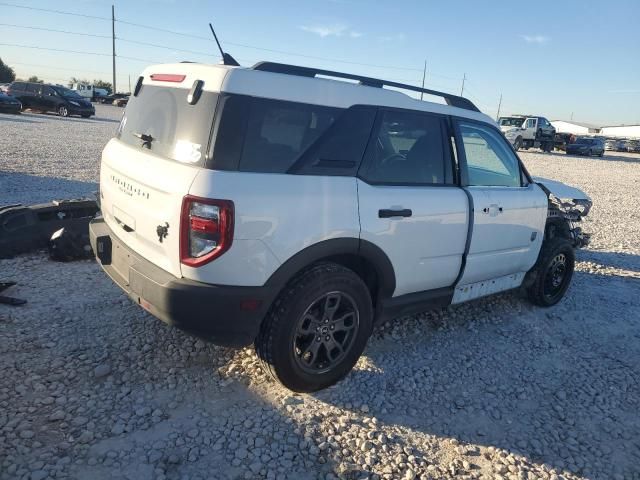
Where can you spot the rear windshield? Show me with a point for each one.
(162, 120)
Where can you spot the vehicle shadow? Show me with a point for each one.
(22, 118)
(544, 385)
(619, 260)
(32, 189)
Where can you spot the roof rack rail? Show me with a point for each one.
(452, 100)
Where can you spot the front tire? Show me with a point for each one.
(63, 111)
(554, 271)
(518, 145)
(317, 328)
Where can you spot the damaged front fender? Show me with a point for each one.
(568, 203)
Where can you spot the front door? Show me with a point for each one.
(509, 213)
(408, 203)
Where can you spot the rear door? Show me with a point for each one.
(509, 214)
(409, 205)
(150, 165)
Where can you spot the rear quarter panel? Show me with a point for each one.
(276, 216)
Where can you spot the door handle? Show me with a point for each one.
(492, 210)
(388, 213)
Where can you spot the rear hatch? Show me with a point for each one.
(149, 167)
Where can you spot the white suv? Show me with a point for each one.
(265, 205)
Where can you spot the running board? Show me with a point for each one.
(464, 293)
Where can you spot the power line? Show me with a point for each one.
(55, 49)
(60, 12)
(76, 51)
(54, 30)
(60, 68)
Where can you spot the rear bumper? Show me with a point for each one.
(225, 315)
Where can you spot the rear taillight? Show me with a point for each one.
(206, 229)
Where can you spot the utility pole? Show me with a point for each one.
(129, 83)
(424, 74)
(113, 45)
(572, 116)
(463, 79)
(499, 105)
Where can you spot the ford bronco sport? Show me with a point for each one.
(276, 206)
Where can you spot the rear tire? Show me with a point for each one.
(63, 111)
(317, 328)
(554, 271)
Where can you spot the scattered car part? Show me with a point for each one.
(26, 228)
(67, 245)
(10, 300)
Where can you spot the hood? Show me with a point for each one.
(508, 128)
(562, 191)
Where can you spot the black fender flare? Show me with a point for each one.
(333, 248)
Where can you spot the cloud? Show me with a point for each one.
(335, 30)
(396, 37)
(536, 39)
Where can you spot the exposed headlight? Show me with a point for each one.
(74, 103)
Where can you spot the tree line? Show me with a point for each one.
(8, 75)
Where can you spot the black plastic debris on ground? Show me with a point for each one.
(67, 245)
(9, 300)
(27, 228)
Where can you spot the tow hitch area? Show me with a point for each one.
(10, 300)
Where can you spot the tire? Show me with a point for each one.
(324, 296)
(518, 145)
(63, 111)
(556, 258)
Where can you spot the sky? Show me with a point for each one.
(561, 59)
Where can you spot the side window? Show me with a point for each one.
(32, 88)
(44, 91)
(340, 150)
(531, 123)
(278, 132)
(407, 148)
(490, 159)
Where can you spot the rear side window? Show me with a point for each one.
(161, 120)
(32, 88)
(407, 148)
(17, 86)
(279, 132)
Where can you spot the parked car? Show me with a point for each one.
(9, 104)
(633, 146)
(586, 146)
(109, 99)
(317, 208)
(51, 98)
(562, 139)
(121, 102)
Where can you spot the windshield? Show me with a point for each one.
(65, 92)
(511, 121)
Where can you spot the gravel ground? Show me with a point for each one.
(92, 387)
